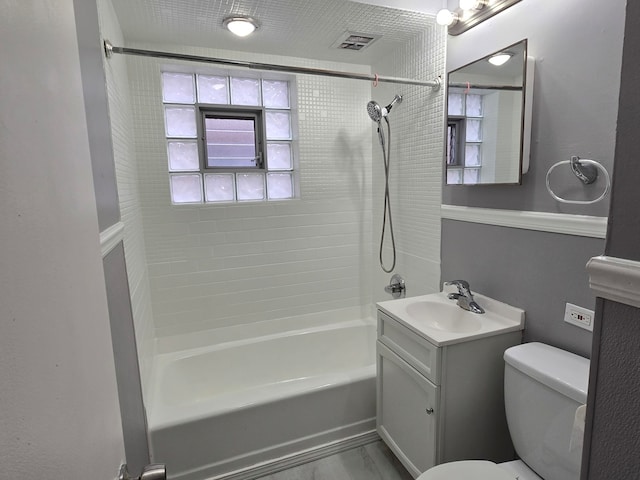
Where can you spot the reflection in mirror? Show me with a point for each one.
(485, 139)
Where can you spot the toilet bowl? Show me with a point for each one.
(475, 469)
(480, 470)
(544, 387)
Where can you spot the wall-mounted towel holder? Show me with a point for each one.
(587, 171)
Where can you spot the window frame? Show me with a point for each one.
(256, 113)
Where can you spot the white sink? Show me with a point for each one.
(442, 317)
(443, 322)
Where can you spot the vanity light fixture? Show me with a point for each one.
(240, 25)
(473, 4)
(500, 58)
(446, 17)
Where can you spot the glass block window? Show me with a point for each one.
(229, 139)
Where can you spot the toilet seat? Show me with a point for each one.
(475, 469)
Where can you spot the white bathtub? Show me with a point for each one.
(222, 410)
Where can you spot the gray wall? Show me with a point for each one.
(613, 416)
(578, 50)
(536, 271)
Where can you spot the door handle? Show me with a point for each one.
(153, 471)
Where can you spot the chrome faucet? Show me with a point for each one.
(464, 296)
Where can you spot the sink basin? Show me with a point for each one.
(444, 317)
(442, 322)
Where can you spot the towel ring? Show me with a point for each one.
(587, 171)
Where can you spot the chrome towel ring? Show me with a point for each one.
(587, 171)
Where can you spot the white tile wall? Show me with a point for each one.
(128, 192)
(223, 265)
(416, 164)
(213, 266)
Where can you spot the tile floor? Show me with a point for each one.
(369, 462)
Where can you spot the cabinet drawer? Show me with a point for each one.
(415, 350)
(408, 412)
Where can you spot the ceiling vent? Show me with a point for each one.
(355, 41)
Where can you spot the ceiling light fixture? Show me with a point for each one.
(446, 17)
(500, 58)
(240, 25)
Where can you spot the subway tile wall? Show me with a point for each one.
(417, 140)
(128, 191)
(213, 266)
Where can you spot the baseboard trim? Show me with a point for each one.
(579, 225)
(300, 458)
(616, 279)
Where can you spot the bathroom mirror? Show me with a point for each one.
(489, 119)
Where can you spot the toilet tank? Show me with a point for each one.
(543, 388)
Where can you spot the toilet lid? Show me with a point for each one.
(467, 469)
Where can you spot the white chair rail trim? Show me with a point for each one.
(616, 279)
(579, 225)
(111, 237)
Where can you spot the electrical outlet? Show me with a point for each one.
(579, 316)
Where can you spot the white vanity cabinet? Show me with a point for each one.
(439, 403)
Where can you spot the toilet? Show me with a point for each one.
(543, 388)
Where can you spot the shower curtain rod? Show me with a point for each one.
(110, 50)
(467, 86)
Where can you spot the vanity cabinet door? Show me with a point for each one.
(407, 411)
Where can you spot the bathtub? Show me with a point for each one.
(249, 407)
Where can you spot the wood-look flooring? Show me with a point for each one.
(369, 462)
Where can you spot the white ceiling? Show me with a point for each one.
(297, 28)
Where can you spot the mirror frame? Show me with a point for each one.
(526, 115)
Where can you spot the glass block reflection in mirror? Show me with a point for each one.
(180, 122)
(177, 88)
(472, 155)
(456, 104)
(186, 188)
(250, 186)
(278, 125)
(183, 156)
(219, 187)
(245, 91)
(279, 156)
(471, 176)
(454, 176)
(279, 185)
(275, 94)
(474, 130)
(474, 105)
(212, 89)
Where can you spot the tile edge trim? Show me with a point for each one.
(110, 237)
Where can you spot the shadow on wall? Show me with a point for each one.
(348, 156)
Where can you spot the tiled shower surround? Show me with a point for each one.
(313, 257)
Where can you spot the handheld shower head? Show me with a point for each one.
(376, 112)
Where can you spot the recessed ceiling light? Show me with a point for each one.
(500, 58)
(240, 25)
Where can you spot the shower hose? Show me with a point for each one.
(386, 156)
